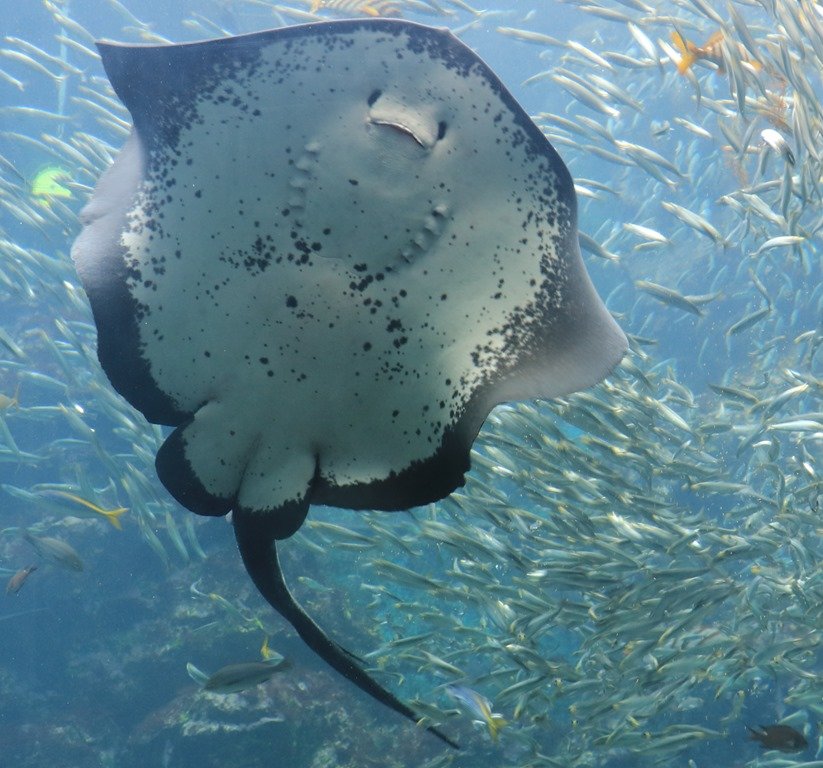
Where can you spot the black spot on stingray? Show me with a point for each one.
(291, 301)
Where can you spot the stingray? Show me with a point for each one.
(323, 255)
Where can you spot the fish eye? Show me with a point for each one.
(441, 129)
(374, 96)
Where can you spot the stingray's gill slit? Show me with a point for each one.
(256, 540)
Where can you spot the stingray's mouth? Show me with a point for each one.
(406, 120)
(403, 129)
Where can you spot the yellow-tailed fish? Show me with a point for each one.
(478, 705)
(112, 515)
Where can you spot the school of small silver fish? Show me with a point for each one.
(621, 559)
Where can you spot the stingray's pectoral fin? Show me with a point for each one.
(213, 463)
(256, 535)
(183, 477)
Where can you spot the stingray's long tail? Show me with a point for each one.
(256, 542)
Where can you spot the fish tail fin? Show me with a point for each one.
(685, 63)
(15, 400)
(686, 50)
(113, 516)
(197, 675)
(496, 724)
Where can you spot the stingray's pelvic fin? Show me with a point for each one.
(255, 536)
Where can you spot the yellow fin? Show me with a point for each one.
(680, 43)
(495, 723)
(685, 63)
(687, 55)
(265, 651)
(715, 39)
(112, 515)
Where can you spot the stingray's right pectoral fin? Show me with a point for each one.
(256, 534)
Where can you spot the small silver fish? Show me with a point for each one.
(777, 142)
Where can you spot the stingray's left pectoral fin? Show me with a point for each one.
(256, 534)
(218, 461)
(200, 479)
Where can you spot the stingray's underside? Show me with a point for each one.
(323, 255)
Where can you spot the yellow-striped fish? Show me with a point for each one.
(112, 515)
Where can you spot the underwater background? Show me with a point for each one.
(631, 575)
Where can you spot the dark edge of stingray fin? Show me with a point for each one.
(255, 536)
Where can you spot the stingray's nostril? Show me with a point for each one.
(374, 96)
(441, 130)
